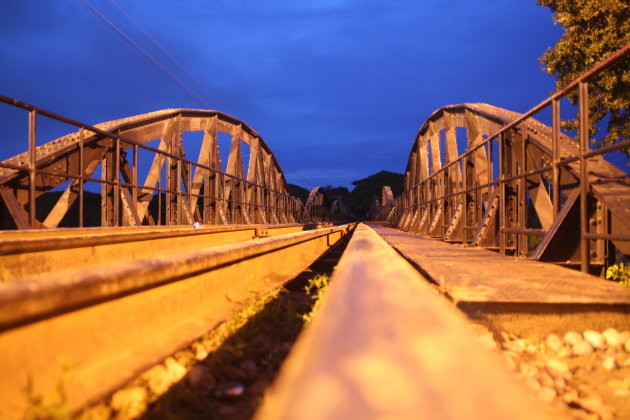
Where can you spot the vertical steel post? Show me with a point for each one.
(134, 192)
(159, 198)
(583, 132)
(117, 183)
(555, 137)
(217, 198)
(189, 189)
(81, 164)
(178, 191)
(443, 192)
(478, 192)
(242, 200)
(32, 144)
(502, 215)
(464, 183)
(522, 247)
(490, 167)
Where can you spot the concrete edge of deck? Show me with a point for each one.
(523, 297)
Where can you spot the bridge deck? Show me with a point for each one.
(514, 294)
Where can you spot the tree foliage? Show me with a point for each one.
(594, 29)
(299, 192)
(367, 188)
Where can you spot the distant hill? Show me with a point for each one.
(299, 192)
(91, 209)
(331, 191)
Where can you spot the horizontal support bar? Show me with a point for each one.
(607, 237)
(535, 232)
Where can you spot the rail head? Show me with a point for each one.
(35, 298)
(384, 344)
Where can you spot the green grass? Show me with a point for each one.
(619, 273)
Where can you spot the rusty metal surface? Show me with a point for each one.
(193, 188)
(130, 315)
(515, 180)
(383, 344)
(40, 252)
(483, 282)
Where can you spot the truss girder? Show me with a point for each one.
(184, 188)
(317, 206)
(459, 196)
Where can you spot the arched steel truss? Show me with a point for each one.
(521, 186)
(187, 189)
(317, 205)
(322, 207)
(517, 179)
(381, 208)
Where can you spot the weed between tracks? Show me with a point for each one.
(619, 273)
(225, 373)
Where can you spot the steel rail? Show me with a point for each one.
(42, 252)
(132, 314)
(383, 344)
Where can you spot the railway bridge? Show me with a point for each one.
(119, 249)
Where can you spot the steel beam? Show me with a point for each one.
(131, 315)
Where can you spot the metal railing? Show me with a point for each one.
(226, 198)
(441, 187)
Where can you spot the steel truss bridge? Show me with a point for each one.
(518, 179)
(183, 244)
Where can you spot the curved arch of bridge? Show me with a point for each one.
(317, 205)
(382, 206)
(504, 185)
(190, 188)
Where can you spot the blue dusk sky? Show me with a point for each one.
(337, 88)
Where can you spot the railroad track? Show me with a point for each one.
(386, 344)
(383, 343)
(87, 330)
(40, 252)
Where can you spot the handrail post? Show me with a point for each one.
(134, 192)
(178, 191)
(32, 144)
(464, 186)
(583, 136)
(81, 165)
(117, 183)
(502, 215)
(555, 136)
(522, 239)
